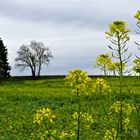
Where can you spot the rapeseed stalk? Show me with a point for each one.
(78, 80)
(118, 35)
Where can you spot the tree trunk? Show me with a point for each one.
(33, 73)
(39, 69)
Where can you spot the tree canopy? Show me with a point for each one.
(33, 56)
(4, 64)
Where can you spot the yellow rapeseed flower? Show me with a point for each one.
(101, 86)
(43, 114)
(78, 80)
(110, 134)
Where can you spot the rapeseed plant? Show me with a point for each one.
(101, 86)
(110, 134)
(78, 80)
(118, 35)
(42, 114)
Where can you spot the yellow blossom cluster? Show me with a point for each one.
(126, 108)
(110, 134)
(136, 68)
(65, 135)
(101, 86)
(103, 60)
(137, 16)
(116, 28)
(86, 119)
(78, 80)
(44, 113)
(126, 123)
(56, 134)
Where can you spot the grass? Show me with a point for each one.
(19, 100)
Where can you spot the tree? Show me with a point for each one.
(33, 56)
(103, 61)
(4, 65)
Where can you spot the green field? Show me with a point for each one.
(19, 100)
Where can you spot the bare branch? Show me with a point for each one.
(33, 56)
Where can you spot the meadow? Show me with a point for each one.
(20, 98)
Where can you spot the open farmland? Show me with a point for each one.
(19, 100)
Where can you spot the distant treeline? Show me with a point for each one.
(59, 77)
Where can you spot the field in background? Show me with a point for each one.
(20, 98)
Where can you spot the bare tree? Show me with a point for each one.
(33, 56)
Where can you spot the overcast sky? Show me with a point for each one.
(73, 29)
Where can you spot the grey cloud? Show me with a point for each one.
(73, 29)
(91, 13)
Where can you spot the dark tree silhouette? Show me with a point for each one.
(33, 56)
(4, 65)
